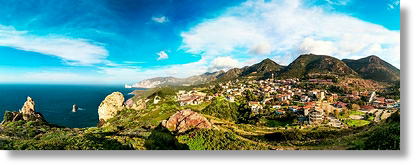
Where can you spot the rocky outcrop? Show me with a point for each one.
(136, 105)
(74, 108)
(28, 106)
(110, 106)
(27, 113)
(185, 120)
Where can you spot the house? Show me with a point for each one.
(195, 102)
(156, 100)
(185, 102)
(329, 98)
(340, 104)
(230, 98)
(315, 116)
(280, 112)
(255, 106)
(335, 96)
(355, 93)
(380, 99)
(313, 92)
(276, 106)
(365, 93)
(320, 95)
(304, 98)
(294, 109)
(366, 108)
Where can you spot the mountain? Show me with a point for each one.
(232, 73)
(310, 63)
(259, 69)
(264, 66)
(192, 80)
(372, 67)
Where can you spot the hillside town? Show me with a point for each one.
(319, 105)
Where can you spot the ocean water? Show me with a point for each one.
(55, 101)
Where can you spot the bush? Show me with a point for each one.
(222, 109)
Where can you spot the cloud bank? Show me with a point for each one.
(71, 51)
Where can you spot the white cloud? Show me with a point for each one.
(223, 63)
(71, 51)
(52, 77)
(309, 45)
(261, 48)
(161, 20)
(289, 26)
(393, 4)
(338, 2)
(162, 55)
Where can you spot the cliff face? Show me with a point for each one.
(110, 106)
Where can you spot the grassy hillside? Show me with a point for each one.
(310, 63)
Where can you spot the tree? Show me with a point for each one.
(345, 110)
(336, 112)
(355, 107)
(326, 112)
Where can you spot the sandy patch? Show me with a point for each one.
(356, 117)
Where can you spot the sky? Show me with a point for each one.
(126, 41)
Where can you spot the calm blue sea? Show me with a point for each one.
(55, 101)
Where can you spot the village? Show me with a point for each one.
(313, 107)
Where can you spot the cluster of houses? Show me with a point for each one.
(276, 93)
(191, 97)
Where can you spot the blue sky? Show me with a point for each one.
(126, 41)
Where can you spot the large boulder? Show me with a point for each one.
(185, 120)
(110, 106)
(136, 105)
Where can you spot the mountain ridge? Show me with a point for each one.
(375, 68)
(300, 67)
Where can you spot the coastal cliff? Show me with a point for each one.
(110, 106)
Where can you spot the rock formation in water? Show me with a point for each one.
(27, 113)
(74, 108)
(110, 106)
(185, 120)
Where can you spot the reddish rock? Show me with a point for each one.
(185, 120)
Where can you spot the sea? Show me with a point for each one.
(55, 101)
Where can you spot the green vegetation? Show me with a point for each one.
(356, 123)
(216, 140)
(382, 137)
(223, 109)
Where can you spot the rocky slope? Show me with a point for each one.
(193, 80)
(372, 67)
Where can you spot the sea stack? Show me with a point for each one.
(74, 108)
(110, 106)
(27, 113)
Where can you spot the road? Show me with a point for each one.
(377, 118)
